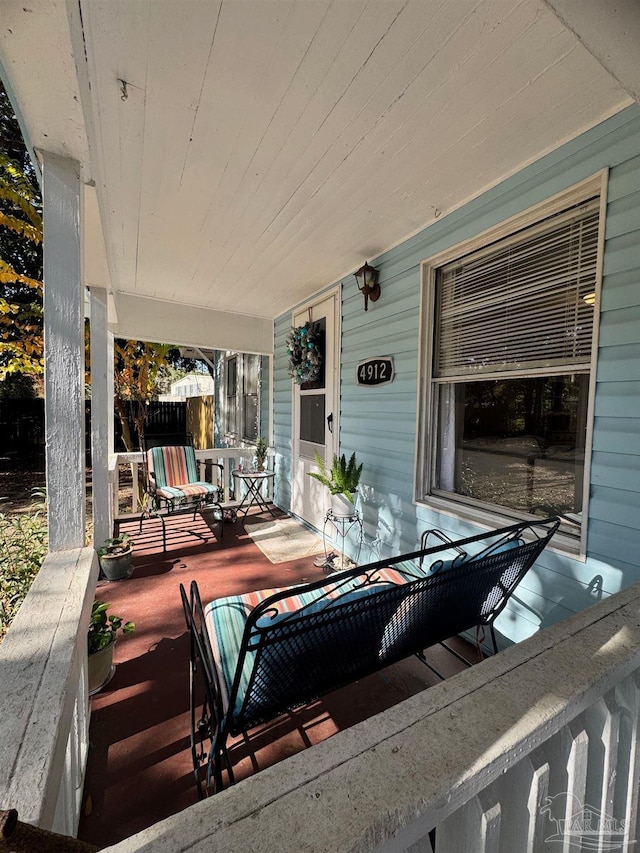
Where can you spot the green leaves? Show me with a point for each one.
(103, 629)
(23, 545)
(262, 448)
(118, 545)
(342, 479)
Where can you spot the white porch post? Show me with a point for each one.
(111, 439)
(101, 415)
(64, 353)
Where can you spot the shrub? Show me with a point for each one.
(23, 545)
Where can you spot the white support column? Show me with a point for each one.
(101, 415)
(111, 440)
(64, 353)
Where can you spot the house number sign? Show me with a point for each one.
(375, 371)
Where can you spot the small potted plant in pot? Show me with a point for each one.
(102, 635)
(341, 480)
(262, 448)
(115, 557)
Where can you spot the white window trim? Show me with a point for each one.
(459, 508)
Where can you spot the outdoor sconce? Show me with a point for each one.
(367, 278)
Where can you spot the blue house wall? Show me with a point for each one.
(380, 423)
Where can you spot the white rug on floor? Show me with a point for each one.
(284, 539)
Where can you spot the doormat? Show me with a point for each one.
(284, 539)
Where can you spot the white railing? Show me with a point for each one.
(525, 752)
(44, 702)
(229, 457)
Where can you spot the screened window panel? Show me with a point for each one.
(250, 419)
(250, 373)
(232, 376)
(520, 304)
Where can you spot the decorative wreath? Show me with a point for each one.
(304, 345)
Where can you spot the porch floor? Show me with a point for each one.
(139, 766)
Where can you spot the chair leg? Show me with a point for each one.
(214, 769)
(197, 733)
(493, 639)
(164, 532)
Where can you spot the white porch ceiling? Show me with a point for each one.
(247, 153)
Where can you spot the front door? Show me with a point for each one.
(315, 415)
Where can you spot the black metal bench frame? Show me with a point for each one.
(303, 655)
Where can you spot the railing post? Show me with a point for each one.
(100, 416)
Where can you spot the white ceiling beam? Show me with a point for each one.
(145, 319)
(96, 268)
(610, 32)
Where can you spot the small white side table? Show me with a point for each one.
(254, 481)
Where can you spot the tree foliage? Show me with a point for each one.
(136, 374)
(21, 345)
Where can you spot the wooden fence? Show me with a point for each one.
(23, 433)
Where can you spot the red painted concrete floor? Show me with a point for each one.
(139, 767)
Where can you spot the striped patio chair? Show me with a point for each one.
(174, 486)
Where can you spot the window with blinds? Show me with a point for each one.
(511, 328)
(523, 303)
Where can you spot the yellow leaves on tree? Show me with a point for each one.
(21, 344)
(135, 375)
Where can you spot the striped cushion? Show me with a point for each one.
(187, 490)
(411, 568)
(225, 619)
(173, 466)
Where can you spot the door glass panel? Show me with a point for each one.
(312, 418)
(321, 343)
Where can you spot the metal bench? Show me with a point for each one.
(262, 654)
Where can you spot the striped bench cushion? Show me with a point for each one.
(225, 619)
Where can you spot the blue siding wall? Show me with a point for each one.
(380, 423)
(282, 401)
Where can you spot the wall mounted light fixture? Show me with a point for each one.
(367, 278)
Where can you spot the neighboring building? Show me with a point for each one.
(192, 385)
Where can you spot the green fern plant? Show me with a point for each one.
(342, 478)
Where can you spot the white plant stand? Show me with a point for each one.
(336, 529)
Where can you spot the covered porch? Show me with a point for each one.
(475, 758)
(211, 175)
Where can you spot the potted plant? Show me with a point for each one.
(115, 557)
(341, 480)
(102, 635)
(262, 448)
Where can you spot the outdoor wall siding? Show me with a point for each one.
(282, 399)
(380, 423)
